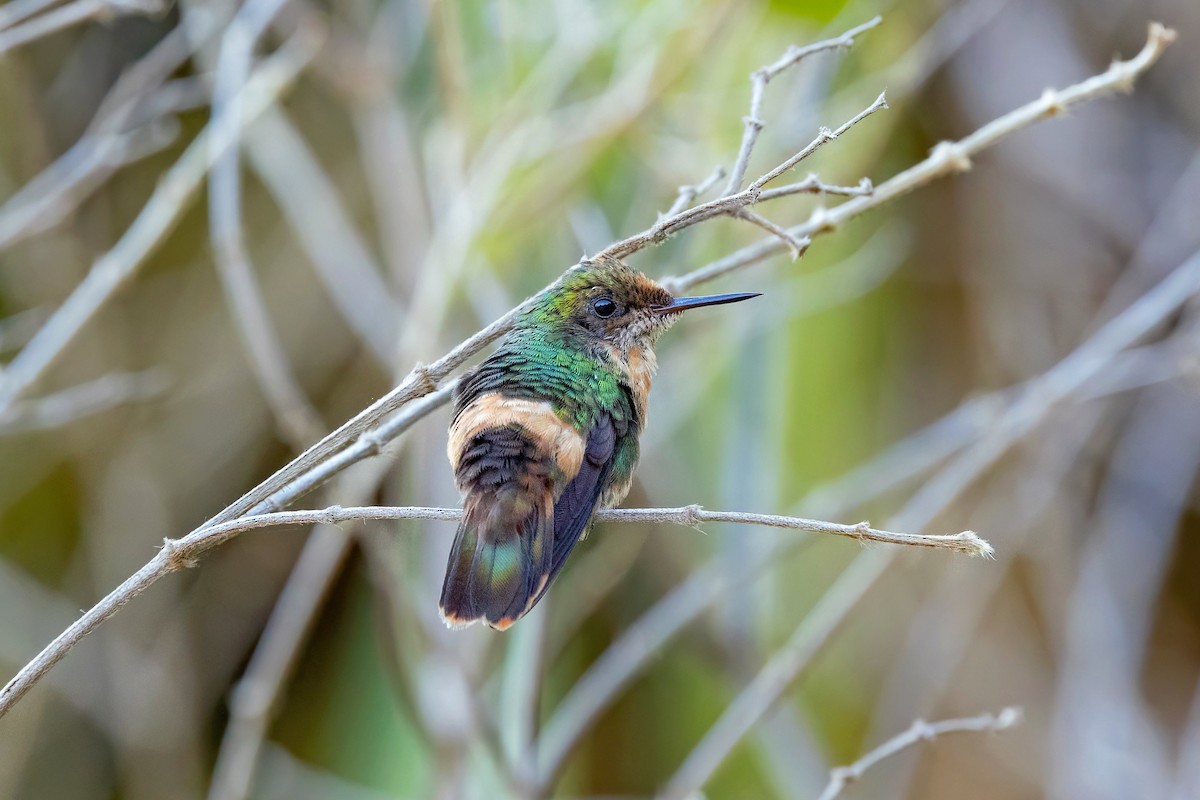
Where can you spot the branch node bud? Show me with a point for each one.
(423, 378)
(953, 155)
(820, 221)
(1054, 105)
(177, 558)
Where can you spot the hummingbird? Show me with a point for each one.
(545, 431)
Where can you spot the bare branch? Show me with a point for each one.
(824, 136)
(813, 185)
(732, 204)
(177, 554)
(948, 157)
(688, 194)
(363, 435)
(758, 86)
(921, 731)
(966, 542)
(623, 660)
(795, 246)
(1068, 376)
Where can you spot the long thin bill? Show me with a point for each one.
(684, 303)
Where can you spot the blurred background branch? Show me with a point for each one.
(1014, 351)
(921, 731)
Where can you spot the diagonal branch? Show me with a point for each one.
(731, 205)
(948, 157)
(920, 731)
(688, 194)
(1068, 376)
(363, 435)
(758, 86)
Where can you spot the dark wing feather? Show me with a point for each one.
(515, 538)
(575, 506)
(504, 545)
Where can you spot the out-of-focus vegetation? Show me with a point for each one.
(434, 164)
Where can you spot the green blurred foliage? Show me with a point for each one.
(514, 167)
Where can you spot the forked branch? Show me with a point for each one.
(920, 731)
(758, 88)
(732, 205)
(371, 429)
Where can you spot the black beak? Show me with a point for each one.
(684, 303)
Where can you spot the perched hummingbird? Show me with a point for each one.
(545, 431)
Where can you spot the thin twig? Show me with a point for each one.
(966, 542)
(813, 185)
(824, 137)
(360, 436)
(177, 554)
(796, 247)
(921, 731)
(688, 194)
(731, 204)
(758, 86)
(625, 658)
(946, 158)
(1067, 377)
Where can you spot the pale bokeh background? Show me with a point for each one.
(438, 161)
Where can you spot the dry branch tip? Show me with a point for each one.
(334, 452)
(975, 545)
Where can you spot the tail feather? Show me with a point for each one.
(500, 560)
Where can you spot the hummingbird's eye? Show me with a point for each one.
(604, 307)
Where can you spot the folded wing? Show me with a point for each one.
(522, 517)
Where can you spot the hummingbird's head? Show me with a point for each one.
(607, 301)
